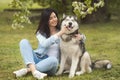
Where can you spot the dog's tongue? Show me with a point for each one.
(68, 28)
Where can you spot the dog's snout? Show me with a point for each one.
(70, 23)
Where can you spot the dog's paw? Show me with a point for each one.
(66, 71)
(71, 75)
(79, 73)
(57, 74)
(90, 70)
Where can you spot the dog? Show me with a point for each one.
(74, 56)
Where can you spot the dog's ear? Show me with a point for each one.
(75, 17)
(64, 15)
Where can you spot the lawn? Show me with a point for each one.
(103, 42)
(4, 4)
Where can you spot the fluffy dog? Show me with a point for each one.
(74, 57)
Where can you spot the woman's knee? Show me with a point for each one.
(23, 42)
(48, 65)
(54, 61)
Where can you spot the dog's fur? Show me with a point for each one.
(73, 53)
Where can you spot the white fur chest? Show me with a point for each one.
(70, 47)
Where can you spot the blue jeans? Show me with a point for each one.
(47, 65)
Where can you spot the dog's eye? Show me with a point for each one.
(72, 20)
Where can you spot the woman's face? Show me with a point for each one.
(53, 20)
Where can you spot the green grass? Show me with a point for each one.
(103, 42)
(4, 4)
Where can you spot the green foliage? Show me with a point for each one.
(21, 16)
(42, 2)
(62, 6)
(114, 4)
(81, 9)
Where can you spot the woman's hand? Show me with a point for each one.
(62, 31)
(78, 36)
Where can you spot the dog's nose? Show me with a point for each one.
(70, 23)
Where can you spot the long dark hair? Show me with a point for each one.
(43, 26)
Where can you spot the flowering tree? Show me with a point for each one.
(22, 16)
(82, 9)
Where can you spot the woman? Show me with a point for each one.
(44, 60)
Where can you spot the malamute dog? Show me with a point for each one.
(74, 57)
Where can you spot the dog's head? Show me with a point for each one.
(70, 22)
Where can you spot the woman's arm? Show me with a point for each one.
(46, 42)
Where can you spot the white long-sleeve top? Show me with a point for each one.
(49, 46)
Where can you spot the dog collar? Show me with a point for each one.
(70, 36)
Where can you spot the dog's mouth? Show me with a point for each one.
(73, 34)
(70, 26)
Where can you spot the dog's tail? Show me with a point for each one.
(98, 64)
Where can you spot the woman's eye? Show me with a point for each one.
(50, 18)
(55, 16)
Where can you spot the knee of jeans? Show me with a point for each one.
(23, 42)
(54, 61)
